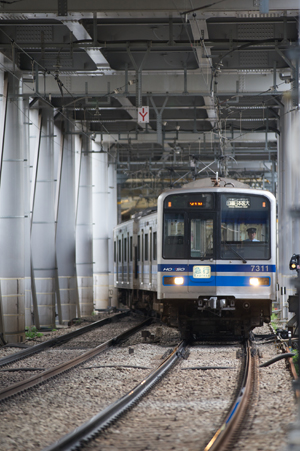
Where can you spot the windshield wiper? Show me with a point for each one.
(236, 253)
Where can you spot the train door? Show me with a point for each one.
(138, 258)
(127, 257)
(122, 257)
(202, 253)
(150, 256)
(119, 260)
(146, 259)
(142, 258)
(115, 261)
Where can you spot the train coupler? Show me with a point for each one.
(216, 304)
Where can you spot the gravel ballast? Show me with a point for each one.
(181, 412)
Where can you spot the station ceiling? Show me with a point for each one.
(212, 73)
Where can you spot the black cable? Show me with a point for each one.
(278, 357)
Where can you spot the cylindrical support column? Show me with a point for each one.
(43, 225)
(100, 231)
(67, 295)
(84, 227)
(288, 198)
(12, 220)
(27, 127)
(112, 219)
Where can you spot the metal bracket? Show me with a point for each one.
(62, 7)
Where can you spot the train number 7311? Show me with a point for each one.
(259, 268)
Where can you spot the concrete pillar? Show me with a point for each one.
(84, 226)
(288, 199)
(100, 231)
(26, 129)
(43, 261)
(12, 213)
(64, 150)
(112, 222)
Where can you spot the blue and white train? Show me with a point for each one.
(205, 261)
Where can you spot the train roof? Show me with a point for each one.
(145, 212)
(212, 182)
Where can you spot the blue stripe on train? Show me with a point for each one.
(216, 268)
(218, 281)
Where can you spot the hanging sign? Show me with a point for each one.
(143, 115)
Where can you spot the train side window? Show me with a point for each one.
(154, 246)
(125, 250)
(120, 253)
(130, 249)
(146, 246)
(115, 251)
(139, 248)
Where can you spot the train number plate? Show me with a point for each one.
(201, 272)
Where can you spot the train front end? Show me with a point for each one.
(216, 259)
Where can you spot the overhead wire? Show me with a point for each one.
(62, 86)
(59, 82)
(193, 10)
(190, 40)
(29, 119)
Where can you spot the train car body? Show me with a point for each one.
(206, 261)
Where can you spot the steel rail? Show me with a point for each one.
(59, 340)
(93, 426)
(232, 422)
(52, 372)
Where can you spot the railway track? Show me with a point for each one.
(96, 424)
(270, 417)
(36, 349)
(45, 375)
(183, 411)
(227, 433)
(224, 438)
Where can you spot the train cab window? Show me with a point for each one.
(245, 227)
(202, 242)
(174, 230)
(115, 251)
(154, 245)
(146, 246)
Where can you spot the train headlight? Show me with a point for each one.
(254, 281)
(173, 281)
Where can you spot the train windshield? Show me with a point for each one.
(188, 235)
(245, 227)
(174, 235)
(201, 242)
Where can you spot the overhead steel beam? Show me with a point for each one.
(94, 53)
(111, 8)
(159, 113)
